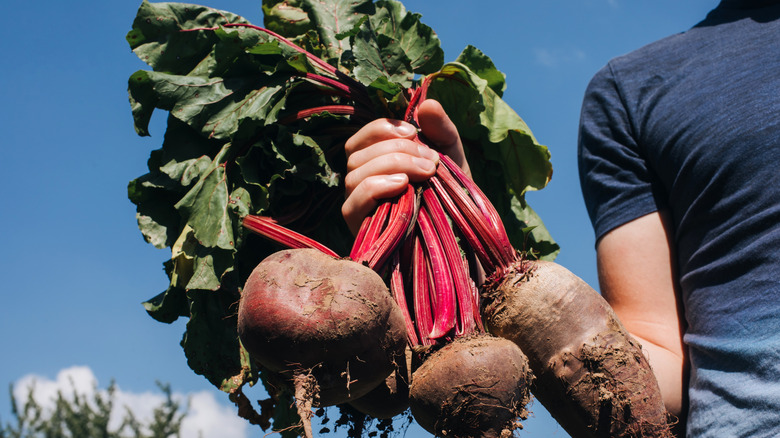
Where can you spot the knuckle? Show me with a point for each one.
(397, 160)
(346, 210)
(399, 146)
(351, 163)
(350, 145)
(349, 182)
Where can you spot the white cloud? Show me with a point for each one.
(206, 416)
(212, 419)
(557, 57)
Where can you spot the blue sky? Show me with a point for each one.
(75, 268)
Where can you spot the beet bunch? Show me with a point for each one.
(257, 117)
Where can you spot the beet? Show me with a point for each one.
(387, 400)
(305, 313)
(391, 397)
(590, 373)
(476, 386)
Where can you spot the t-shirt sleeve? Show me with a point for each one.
(614, 176)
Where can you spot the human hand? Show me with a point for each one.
(383, 158)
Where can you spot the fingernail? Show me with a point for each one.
(428, 153)
(424, 164)
(405, 129)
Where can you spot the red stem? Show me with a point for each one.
(485, 206)
(373, 228)
(333, 109)
(498, 255)
(399, 293)
(316, 60)
(268, 228)
(421, 290)
(459, 267)
(443, 293)
(400, 218)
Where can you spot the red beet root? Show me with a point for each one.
(387, 400)
(473, 387)
(590, 374)
(305, 313)
(391, 397)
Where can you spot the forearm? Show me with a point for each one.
(638, 279)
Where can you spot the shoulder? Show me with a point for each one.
(629, 84)
(657, 58)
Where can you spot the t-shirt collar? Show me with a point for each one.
(747, 4)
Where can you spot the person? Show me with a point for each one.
(679, 155)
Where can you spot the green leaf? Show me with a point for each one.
(286, 155)
(332, 17)
(312, 164)
(183, 254)
(164, 36)
(209, 267)
(210, 343)
(373, 62)
(173, 169)
(213, 106)
(168, 306)
(354, 31)
(397, 26)
(483, 67)
(195, 266)
(395, 45)
(143, 100)
(388, 89)
(157, 219)
(286, 17)
(483, 118)
(205, 206)
(184, 155)
(240, 202)
(157, 225)
(247, 52)
(536, 237)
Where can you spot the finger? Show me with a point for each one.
(376, 131)
(439, 130)
(416, 168)
(388, 147)
(367, 195)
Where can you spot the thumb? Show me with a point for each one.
(437, 127)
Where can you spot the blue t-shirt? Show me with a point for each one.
(691, 125)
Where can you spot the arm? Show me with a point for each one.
(638, 279)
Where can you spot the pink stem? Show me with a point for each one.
(268, 228)
(459, 266)
(399, 293)
(444, 300)
(421, 291)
